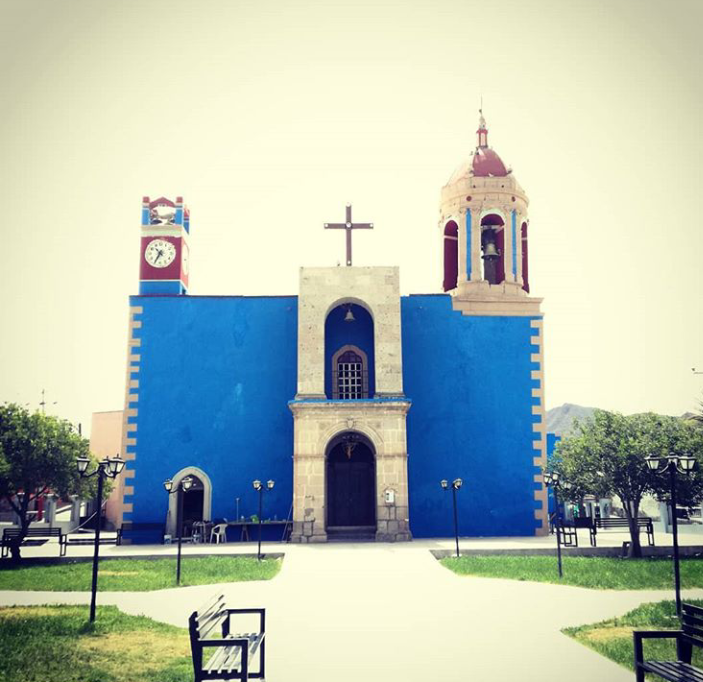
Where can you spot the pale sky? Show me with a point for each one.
(268, 116)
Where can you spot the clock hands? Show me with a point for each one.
(159, 253)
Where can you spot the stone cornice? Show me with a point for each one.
(352, 407)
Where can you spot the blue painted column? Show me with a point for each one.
(468, 245)
(514, 244)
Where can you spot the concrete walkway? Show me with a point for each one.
(343, 612)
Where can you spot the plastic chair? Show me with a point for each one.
(218, 533)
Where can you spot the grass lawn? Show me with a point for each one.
(613, 638)
(57, 644)
(594, 572)
(137, 575)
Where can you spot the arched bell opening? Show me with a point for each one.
(525, 270)
(451, 255)
(350, 482)
(349, 353)
(493, 248)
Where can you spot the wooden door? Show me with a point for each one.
(351, 488)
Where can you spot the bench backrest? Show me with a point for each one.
(32, 532)
(692, 621)
(583, 522)
(204, 622)
(617, 523)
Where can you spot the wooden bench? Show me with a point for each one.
(89, 539)
(220, 654)
(617, 523)
(569, 536)
(690, 635)
(9, 534)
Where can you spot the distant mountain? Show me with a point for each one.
(560, 419)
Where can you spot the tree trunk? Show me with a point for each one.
(16, 544)
(632, 512)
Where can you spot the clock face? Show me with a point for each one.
(159, 253)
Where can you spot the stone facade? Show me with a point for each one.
(374, 288)
(315, 425)
(381, 418)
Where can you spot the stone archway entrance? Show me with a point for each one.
(351, 487)
(197, 502)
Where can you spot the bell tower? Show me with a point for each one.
(483, 223)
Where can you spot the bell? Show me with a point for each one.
(490, 251)
(349, 317)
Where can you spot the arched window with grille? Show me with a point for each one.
(350, 376)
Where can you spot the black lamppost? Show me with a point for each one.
(259, 487)
(108, 468)
(551, 479)
(455, 485)
(672, 465)
(184, 485)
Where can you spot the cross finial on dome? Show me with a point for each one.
(482, 130)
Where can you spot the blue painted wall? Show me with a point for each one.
(514, 243)
(468, 245)
(215, 377)
(339, 333)
(168, 287)
(471, 417)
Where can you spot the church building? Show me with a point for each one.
(354, 400)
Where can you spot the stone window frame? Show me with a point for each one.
(364, 372)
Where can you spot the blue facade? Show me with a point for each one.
(468, 244)
(514, 243)
(471, 418)
(216, 375)
(166, 287)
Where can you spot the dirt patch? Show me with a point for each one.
(606, 634)
(27, 611)
(139, 654)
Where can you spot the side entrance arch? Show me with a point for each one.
(350, 486)
(197, 502)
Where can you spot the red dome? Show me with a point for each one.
(486, 163)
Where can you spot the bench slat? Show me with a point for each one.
(209, 604)
(692, 608)
(228, 658)
(32, 532)
(215, 664)
(205, 625)
(622, 523)
(675, 671)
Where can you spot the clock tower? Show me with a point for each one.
(163, 266)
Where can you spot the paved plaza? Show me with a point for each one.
(387, 612)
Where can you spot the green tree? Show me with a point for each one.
(606, 456)
(697, 418)
(37, 456)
